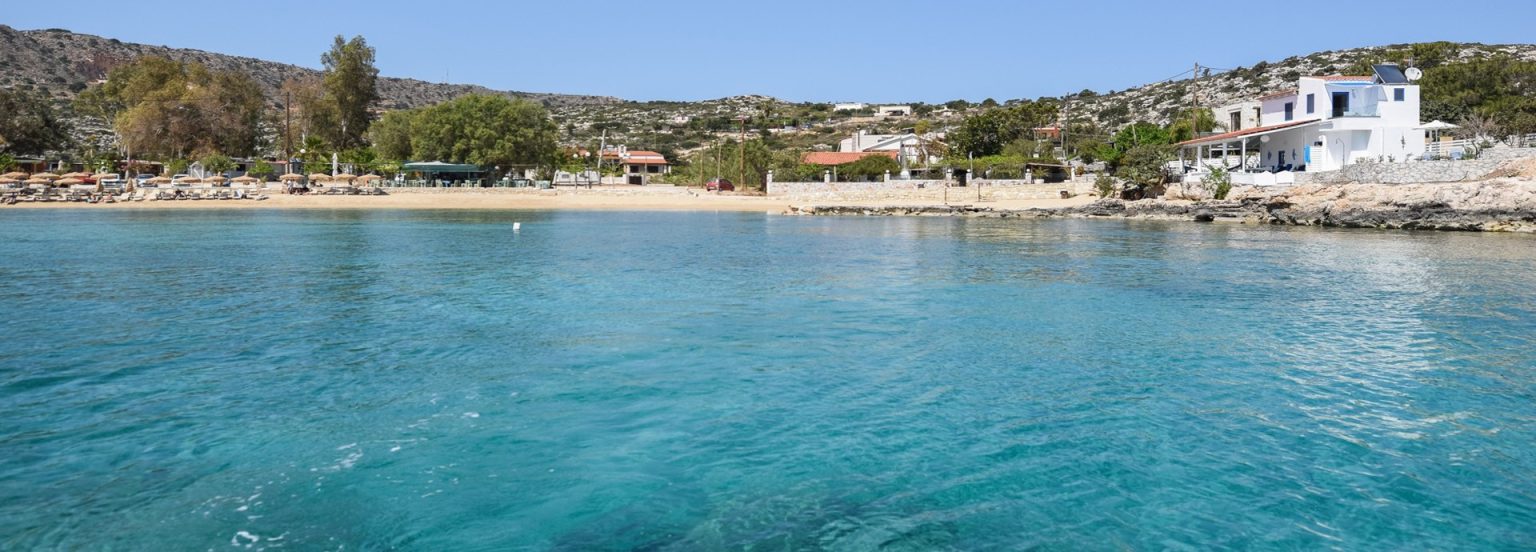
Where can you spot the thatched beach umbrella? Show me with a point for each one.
(317, 177)
(216, 179)
(369, 178)
(74, 175)
(244, 179)
(291, 176)
(46, 176)
(35, 181)
(189, 181)
(16, 175)
(159, 180)
(6, 180)
(100, 177)
(68, 182)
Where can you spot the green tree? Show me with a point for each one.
(261, 170)
(1142, 133)
(485, 130)
(177, 165)
(173, 109)
(351, 84)
(313, 111)
(988, 132)
(1178, 130)
(391, 135)
(29, 124)
(217, 163)
(869, 167)
(1145, 166)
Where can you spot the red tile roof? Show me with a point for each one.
(829, 158)
(1244, 132)
(642, 157)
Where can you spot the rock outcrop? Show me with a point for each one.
(1501, 204)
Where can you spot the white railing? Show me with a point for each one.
(1282, 178)
(1447, 147)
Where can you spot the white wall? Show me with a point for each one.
(1274, 111)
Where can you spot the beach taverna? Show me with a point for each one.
(438, 171)
(1323, 124)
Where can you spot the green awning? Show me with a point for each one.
(440, 167)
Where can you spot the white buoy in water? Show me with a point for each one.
(517, 226)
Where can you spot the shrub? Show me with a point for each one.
(1218, 183)
(1104, 185)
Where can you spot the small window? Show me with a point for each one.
(1311, 103)
(1290, 111)
(1398, 94)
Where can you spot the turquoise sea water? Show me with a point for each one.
(701, 381)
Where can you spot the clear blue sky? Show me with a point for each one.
(825, 50)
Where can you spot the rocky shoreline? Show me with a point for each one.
(1499, 205)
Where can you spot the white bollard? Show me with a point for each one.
(517, 226)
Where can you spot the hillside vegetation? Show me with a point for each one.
(1487, 87)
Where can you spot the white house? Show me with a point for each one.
(907, 146)
(849, 106)
(893, 111)
(1323, 124)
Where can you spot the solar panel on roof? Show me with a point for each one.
(1390, 74)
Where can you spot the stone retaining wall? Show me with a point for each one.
(1418, 172)
(613, 191)
(924, 190)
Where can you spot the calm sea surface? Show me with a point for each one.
(702, 381)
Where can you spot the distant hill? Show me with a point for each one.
(63, 63)
(1159, 102)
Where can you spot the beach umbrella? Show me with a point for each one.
(74, 175)
(216, 179)
(319, 176)
(190, 180)
(159, 180)
(15, 175)
(34, 181)
(8, 180)
(1435, 127)
(99, 177)
(291, 176)
(244, 179)
(46, 176)
(71, 181)
(369, 177)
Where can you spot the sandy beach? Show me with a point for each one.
(609, 198)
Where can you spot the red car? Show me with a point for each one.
(719, 185)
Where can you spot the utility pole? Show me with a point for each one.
(287, 129)
(742, 153)
(1194, 98)
(603, 145)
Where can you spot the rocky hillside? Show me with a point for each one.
(1159, 102)
(63, 63)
